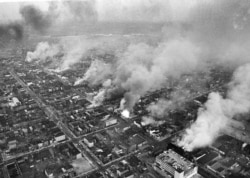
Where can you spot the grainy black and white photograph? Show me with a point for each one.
(124, 88)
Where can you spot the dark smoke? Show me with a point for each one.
(11, 31)
(37, 19)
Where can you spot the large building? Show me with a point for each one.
(172, 165)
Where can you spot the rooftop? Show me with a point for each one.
(178, 162)
(136, 139)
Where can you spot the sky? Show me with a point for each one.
(9, 10)
(114, 10)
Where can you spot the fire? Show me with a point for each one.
(125, 113)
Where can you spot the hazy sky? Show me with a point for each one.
(10, 10)
(115, 10)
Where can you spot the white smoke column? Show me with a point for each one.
(218, 112)
(74, 50)
(97, 73)
(70, 49)
(43, 51)
(77, 49)
(122, 104)
(158, 109)
(143, 68)
(176, 101)
(107, 83)
(72, 56)
(125, 112)
(239, 93)
(100, 97)
(148, 120)
(211, 120)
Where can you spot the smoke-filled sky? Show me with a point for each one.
(200, 31)
(9, 10)
(44, 14)
(112, 10)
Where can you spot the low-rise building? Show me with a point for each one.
(136, 142)
(108, 121)
(172, 165)
(12, 144)
(88, 143)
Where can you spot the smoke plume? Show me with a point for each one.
(69, 51)
(193, 33)
(159, 108)
(177, 99)
(37, 19)
(144, 68)
(75, 49)
(98, 99)
(43, 51)
(148, 120)
(218, 111)
(10, 31)
(101, 95)
(97, 73)
(58, 13)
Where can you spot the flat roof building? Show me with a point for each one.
(172, 165)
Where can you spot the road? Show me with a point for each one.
(94, 132)
(5, 172)
(7, 160)
(55, 116)
(50, 112)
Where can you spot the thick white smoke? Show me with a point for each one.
(177, 99)
(70, 50)
(97, 73)
(158, 109)
(43, 51)
(218, 111)
(74, 49)
(143, 68)
(101, 95)
(148, 120)
(210, 36)
(98, 99)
